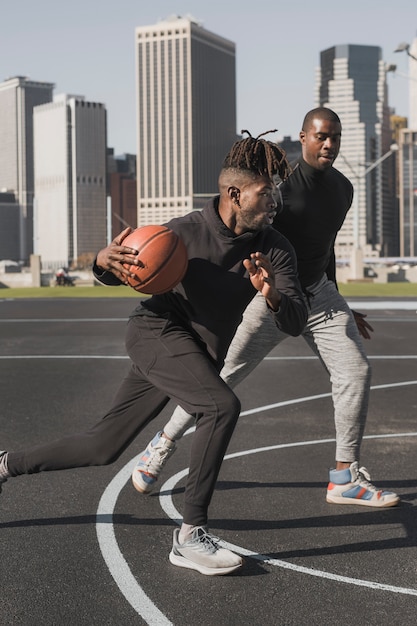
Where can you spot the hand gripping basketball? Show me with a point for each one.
(163, 258)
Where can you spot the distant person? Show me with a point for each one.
(60, 276)
(313, 203)
(177, 341)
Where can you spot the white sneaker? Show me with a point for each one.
(151, 462)
(353, 486)
(4, 474)
(202, 553)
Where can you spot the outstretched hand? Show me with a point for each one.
(362, 324)
(262, 276)
(115, 255)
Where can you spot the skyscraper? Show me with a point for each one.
(18, 97)
(351, 80)
(408, 191)
(70, 179)
(122, 191)
(407, 162)
(412, 64)
(186, 115)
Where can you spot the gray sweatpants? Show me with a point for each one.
(332, 334)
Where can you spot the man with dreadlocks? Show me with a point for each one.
(177, 341)
(314, 201)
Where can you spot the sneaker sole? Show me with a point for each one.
(207, 571)
(139, 487)
(342, 500)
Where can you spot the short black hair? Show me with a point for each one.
(321, 113)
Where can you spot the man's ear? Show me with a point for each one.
(234, 194)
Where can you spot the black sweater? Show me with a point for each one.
(314, 206)
(216, 288)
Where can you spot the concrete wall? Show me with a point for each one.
(383, 275)
(25, 279)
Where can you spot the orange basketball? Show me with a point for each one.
(163, 256)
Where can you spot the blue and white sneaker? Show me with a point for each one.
(353, 486)
(151, 462)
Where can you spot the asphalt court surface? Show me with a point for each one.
(83, 547)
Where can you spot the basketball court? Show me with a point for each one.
(83, 547)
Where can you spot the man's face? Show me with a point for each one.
(257, 204)
(321, 143)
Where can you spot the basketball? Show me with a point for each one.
(163, 257)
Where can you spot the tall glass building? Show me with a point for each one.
(412, 68)
(408, 192)
(70, 180)
(186, 115)
(351, 80)
(408, 166)
(18, 96)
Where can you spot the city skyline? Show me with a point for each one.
(89, 49)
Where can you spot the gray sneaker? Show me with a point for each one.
(203, 554)
(4, 474)
(151, 462)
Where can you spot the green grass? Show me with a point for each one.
(69, 292)
(378, 290)
(349, 290)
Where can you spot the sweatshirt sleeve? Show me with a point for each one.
(331, 268)
(292, 315)
(104, 277)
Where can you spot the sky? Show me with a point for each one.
(87, 47)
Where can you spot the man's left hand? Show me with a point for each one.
(362, 324)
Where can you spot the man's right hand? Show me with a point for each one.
(115, 255)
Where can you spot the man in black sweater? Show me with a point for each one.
(177, 341)
(313, 204)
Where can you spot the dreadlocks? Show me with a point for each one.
(259, 156)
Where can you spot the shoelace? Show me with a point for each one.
(208, 541)
(156, 460)
(364, 479)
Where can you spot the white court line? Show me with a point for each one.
(119, 568)
(370, 305)
(267, 407)
(125, 357)
(389, 305)
(382, 357)
(165, 499)
(64, 319)
(63, 356)
(113, 557)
